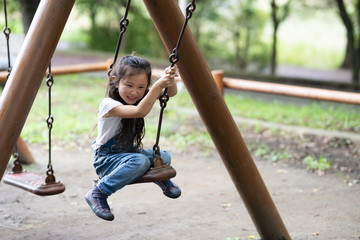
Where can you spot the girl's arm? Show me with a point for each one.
(146, 104)
(172, 90)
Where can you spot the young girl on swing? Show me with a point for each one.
(119, 155)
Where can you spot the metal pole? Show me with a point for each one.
(209, 102)
(28, 72)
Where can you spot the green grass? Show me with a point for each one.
(315, 115)
(312, 163)
(75, 100)
(309, 55)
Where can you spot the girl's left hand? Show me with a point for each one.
(172, 72)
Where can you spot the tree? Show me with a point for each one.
(278, 15)
(205, 11)
(245, 23)
(352, 48)
(28, 9)
(349, 13)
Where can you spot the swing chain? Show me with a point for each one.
(124, 22)
(50, 120)
(16, 168)
(7, 32)
(173, 58)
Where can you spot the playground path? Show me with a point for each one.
(339, 75)
(65, 56)
(311, 207)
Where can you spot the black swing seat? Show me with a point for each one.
(157, 174)
(33, 183)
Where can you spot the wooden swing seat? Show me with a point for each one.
(33, 183)
(157, 174)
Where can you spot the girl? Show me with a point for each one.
(119, 155)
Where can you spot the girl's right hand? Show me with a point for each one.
(166, 81)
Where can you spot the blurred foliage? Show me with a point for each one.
(232, 34)
(245, 24)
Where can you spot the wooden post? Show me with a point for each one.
(210, 104)
(218, 76)
(29, 69)
(293, 91)
(25, 155)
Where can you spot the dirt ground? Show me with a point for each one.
(311, 206)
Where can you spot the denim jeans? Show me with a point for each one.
(117, 168)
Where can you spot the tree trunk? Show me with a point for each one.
(237, 48)
(274, 42)
(348, 54)
(357, 81)
(274, 50)
(351, 55)
(28, 9)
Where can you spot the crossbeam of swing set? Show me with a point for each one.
(232, 83)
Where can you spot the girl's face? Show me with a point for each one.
(132, 88)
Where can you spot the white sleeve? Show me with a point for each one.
(107, 127)
(106, 105)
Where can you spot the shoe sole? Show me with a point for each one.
(169, 195)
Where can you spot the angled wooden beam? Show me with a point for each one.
(25, 155)
(210, 104)
(28, 72)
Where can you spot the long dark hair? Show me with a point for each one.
(132, 129)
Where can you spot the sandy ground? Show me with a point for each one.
(311, 207)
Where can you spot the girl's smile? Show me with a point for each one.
(132, 88)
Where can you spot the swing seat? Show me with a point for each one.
(33, 183)
(157, 174)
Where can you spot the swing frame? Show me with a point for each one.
(45, 31)
(32, 182)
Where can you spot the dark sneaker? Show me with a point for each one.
(98, 203)
(169, 188)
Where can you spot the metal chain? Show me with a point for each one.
(7, 32)
(49, 121)
(124, 22)
(173, 58)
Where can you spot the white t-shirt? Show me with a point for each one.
(107, 127)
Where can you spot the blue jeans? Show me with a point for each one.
(117, 168)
